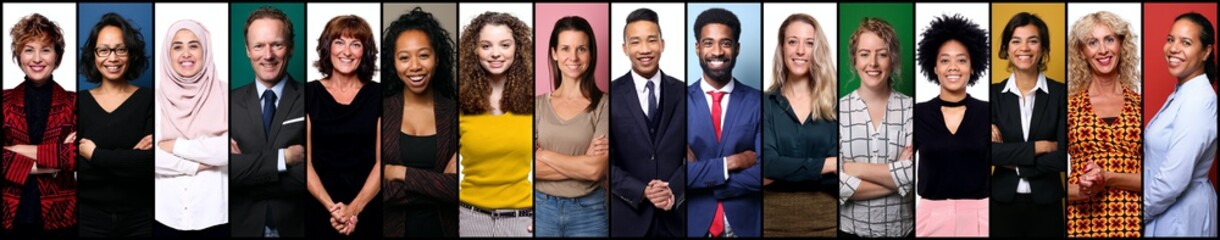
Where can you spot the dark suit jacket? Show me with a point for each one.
(636, 158)
(1049, 122)
(422, 186)
(255, 183)
(741, 194)
(57, 191)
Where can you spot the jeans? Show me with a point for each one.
(583, 216)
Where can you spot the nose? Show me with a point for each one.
(414, 65)
(495, 53)
(872, 61)
(800, 50)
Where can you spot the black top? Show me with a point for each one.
(117, 179)
(420, 153)
(794, 151)
(953, 166)
(344, 138)
(37, 107)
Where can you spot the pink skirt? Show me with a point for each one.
(951, 218)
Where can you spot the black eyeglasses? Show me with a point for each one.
(105, 52)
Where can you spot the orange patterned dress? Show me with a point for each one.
(1116, 147)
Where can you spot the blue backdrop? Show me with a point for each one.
(749, 63)
(140, 16)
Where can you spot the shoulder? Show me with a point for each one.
(1056, 87)
(997, 87)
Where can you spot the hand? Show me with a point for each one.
(908, 153)
(204, 167)
(233, 149)
(167, 145)
(338, 217)
(145, 143)
(995, 135)
(294, 155)
(29, 151)
(741, 160)
(1093, 179)
(86, 148)
(1044, 146)
(690, 155)
(70, 139)
(658, 193)
(830, 166)
(767, 181)
(529, 228)
(394, 172)
(451, 168)
(599, 146)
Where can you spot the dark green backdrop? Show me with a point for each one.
(901, 16)
(240, 69)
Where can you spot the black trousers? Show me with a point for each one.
(96, 222)
(1022, 218)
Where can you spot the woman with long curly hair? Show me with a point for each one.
(1104, 128)
(496, 92)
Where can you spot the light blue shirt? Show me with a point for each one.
(278, 89)
(1179, 146)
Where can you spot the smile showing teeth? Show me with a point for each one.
(38, 68)
(113, 69)
(415, 78)
(1023, 57)
(873, 73)
(953, 77)
(1105, 60)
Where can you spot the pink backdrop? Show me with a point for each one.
(1158, 83)
(545, 15)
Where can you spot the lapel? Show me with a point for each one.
(737, 99)
(1040, 108)
(670, 102)
(254, 109)
(287, 103)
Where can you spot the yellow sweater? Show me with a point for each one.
(497, 157)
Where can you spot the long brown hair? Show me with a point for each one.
(473, 86)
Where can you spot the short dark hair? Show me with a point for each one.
(1207, 37)
(37, 27)
(442, 82)
(957, 28)
(272, 13)
(1044, 40)
(348, 26)
(642, 14)
(137, 61)
(588, 85)
(717, 15)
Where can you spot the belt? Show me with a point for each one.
(501, 213)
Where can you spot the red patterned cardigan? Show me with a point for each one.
(58, 190)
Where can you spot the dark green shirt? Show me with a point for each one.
(794, 152)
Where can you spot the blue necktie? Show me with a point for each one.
(268, 112)
(652, 109)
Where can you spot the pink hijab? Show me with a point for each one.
(191, 107)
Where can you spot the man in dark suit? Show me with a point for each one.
(266, 173)
(1029, 138)
(724, 184)
(647, 176)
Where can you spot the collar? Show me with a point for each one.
(707, 87)
(640, 81)
(278, 88)
(1011, 86)
(1200, 80)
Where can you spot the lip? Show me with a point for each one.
(415, 80)
(1104, 61)
(111, 68)
(954, 78)
(1025, 58)
(800, 61)
(572, 66)
(645, 60)
(495, 63)
(187, 64)
(872, 73)
(717, 63)
(1175, 61)
(37, 68)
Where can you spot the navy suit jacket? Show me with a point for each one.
(636, 158)
(741, 192)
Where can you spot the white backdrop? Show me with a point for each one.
(320, 13)
(63, 14)
(924, 14)
(672, 31)
(213, 16)
(1127, 11)
(827, 15)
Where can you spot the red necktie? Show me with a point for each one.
(718, 219)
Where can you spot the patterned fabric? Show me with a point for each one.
(1116, 148)
(888, 216)
(58, 191)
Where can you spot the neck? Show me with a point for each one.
(1189, 77)
(796, 83)
(268, 83)
(112, 86)
(497, 81)
(952, 95)
(878, 93)
(412, 98)
(715, 84)
(648, 75)
(1104, 83)
(570, 87)
(1026, 76)
(344, 80)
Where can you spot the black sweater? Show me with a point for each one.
(953, 166)
(117, 178)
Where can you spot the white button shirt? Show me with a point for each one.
(188, 198)
(1026, 104)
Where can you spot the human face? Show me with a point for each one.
(643, 46)
(1102, 49)
(496, 49)
(414, 60)
(112, 66)
(267, 48)
(37, 60)
(571, 55)
(873, 60)
(1184, 53)
(953, 66)
(1025, 48)
(185, 53)
(717, 52)
(799, 40)
(345, 54)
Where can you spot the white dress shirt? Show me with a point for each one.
(188, 198)
(1026, 104)
(724, 108)
(642, 91)
(278, 89)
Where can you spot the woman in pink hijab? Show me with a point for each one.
(192, 180)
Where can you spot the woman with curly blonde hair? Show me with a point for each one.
(1104, 121)
(496, 126)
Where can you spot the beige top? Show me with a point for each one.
(569, 137)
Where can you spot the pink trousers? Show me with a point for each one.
(951, 218)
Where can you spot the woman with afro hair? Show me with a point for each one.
(952, 132)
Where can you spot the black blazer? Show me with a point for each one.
(1049, 122)
(423, 185)
(636, 158)
(255, 183)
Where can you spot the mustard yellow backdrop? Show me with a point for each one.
(1051, 13)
